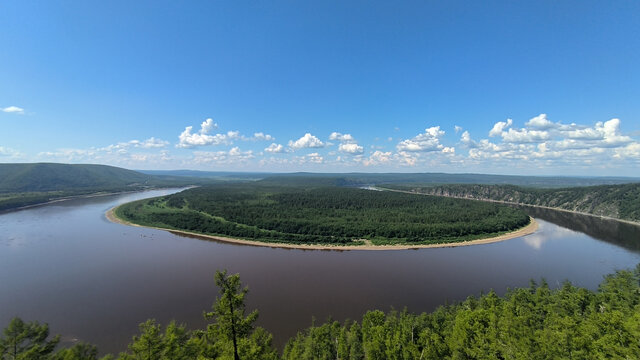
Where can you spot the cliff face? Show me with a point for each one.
(616, 201)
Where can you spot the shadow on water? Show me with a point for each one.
(614, 232)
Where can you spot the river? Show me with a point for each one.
(92, 280)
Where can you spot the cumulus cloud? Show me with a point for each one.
(341, 137)
(538, 143)
(405, 158)
(378, 157)
(540, 122)
(188, 139)
(348, 143)
(499, 127)
(524, 136)
(351, 148)
(314, 158)
(307, 141)
(546, 143)
(207, 126)
(13, 110)
(263, 137)
(630, 151)
(274, 148)
(426, 142)
(466, 140)
(608, 133)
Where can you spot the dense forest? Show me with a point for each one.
(527, 323)
(323, 214)
(23, 184)
(615, 201)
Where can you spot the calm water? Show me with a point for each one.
(94, 281)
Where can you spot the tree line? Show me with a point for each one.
(527, 323)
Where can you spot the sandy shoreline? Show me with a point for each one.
(527, 230)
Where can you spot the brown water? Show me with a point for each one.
(93, 280)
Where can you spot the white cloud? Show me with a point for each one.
(149, 143)
(113, 155)
(263, 136)
(608, 133)
(524, 136)
(202, 137)
(123, 147)
(8, 152)
(543, 143)
(406, 159)
(378, 157)
(630, 151)
(274, 148)
(13, 109)
(348, 143)
(307, 141)
(351, 148)
(539, 144)
(314, 158)
(341, 137)
(499, 127)
(426, 142)
(540, 122)
(207, 126)
(457, 128)
(466, 140)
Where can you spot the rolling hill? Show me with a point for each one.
(38, 177)
(34, 183)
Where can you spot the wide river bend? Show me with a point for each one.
(93, 280)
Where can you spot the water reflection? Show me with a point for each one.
(546, 232)
(614, 232)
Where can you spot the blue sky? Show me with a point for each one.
(539, 88)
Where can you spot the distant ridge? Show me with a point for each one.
(359, 179)
(40, 177)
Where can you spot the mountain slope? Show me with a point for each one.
(615, 201)
(38, 177)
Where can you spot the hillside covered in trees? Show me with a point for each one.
(527, 323)
(615, 201)
(323, 214)
(35, 183)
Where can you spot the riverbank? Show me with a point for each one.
(54, 200)
(527, 230)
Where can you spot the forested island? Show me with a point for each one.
(527, 323)
(620, 201)
(315, 213)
